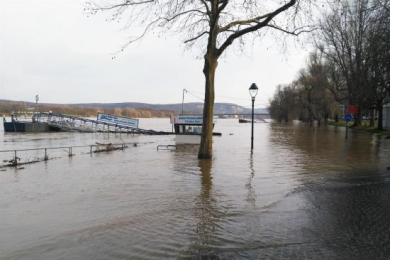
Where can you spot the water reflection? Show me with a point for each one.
(345, 192)
(325, 149)
(206, 215)
(251, 195)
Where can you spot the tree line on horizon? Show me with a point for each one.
(349, 65)
(8, 107)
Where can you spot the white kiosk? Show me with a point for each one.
(188, 129)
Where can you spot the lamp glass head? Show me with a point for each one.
(253, 90)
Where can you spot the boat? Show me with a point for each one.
(259, 120)
(188, 129)
(244, 121)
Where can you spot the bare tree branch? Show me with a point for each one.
(265, 21)
(296, 31)
(196, 37)
(126, 3)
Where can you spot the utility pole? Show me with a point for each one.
(184, 91)
(37, 98)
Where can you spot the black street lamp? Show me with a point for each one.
(253, 91)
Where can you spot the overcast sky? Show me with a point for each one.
(51, 48)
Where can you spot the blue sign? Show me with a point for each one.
(116, 120)
(348, 117)
(187, 119)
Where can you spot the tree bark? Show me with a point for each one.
(380, 115)
(326, 119)
(205, 150)
(358, 119)
(372, 118)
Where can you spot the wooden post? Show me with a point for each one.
(15, 158)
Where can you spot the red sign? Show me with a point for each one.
(352, 109)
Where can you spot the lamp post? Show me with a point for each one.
(253, 91)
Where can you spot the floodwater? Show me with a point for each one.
(304, 193)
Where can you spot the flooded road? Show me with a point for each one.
(304, 193)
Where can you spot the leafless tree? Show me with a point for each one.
(378, 47)
(285, 106)
(309, 97)
(354, 37)
(212, 24)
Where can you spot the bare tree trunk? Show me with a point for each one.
(358, 119)
(205, 150)
(372, 118)
(380, 115)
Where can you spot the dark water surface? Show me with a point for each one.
(305, 193)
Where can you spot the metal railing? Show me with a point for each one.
(93, 148)
(74, 123)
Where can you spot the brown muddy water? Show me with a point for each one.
(304, 193)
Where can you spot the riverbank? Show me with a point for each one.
(364, 127)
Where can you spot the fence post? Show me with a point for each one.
(45, 154)
(15, 158)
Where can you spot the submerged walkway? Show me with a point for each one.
(73, 123)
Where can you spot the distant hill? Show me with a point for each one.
(131, 109)
(191, 107)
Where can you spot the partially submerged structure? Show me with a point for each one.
(24, 122)
(188, 129)
(46, 122)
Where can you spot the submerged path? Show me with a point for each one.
(304, 193)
